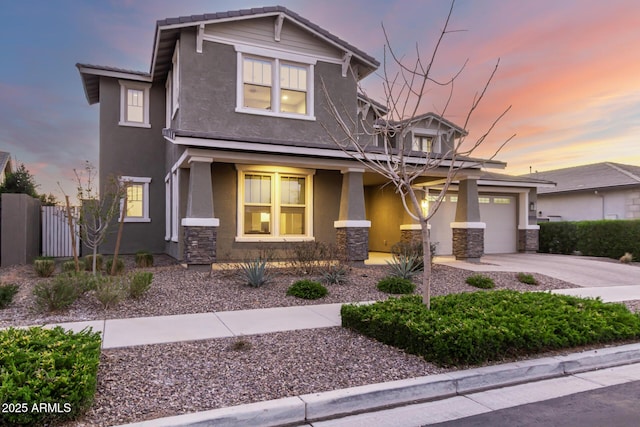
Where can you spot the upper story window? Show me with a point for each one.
(134, 104)
(281, 87)
(426, 141)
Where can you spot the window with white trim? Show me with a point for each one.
(137, 208)
(279, 87)
(274, 204)
(175, 80)
(134, 104)
(425, 140)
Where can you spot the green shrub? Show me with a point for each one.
(83, 281)
(476, 327)
(119, 266)
(335, 274)
(605, 238)
(140, 282)
(307, 289)
(110, 290)
(480, 281)
(405, 266)
(144, 259)
(47, 366)
(57, 294)
(44, 267)
(396, 285)
(70, 266)
(7, 292)
(255, 272)
(88, 262)
(527, 279)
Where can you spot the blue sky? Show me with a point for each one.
(569, 69)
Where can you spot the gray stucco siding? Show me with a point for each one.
(208, 97)
(139, 152)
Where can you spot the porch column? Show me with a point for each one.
(468, 229)
(528, 229)
(200, 227)
(410, 229)
(352, 228)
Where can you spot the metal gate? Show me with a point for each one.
(56, 238)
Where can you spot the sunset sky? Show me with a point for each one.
(570, 70)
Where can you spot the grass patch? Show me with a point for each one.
(480, 281)
(474, 328)
(51, 367)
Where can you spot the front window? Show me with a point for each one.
(137, 200)
(422, 143)
(275, 86)
(274, 204)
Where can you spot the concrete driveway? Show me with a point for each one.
(587, 272)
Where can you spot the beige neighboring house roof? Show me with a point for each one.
(5, 164)
(597, 176)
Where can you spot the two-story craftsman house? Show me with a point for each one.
(225, 145)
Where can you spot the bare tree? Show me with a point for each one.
(96, 213)
(405, 91)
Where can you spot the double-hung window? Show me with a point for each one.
(274, 204)
(134, 104)
(426, 141)
(281, 86)
(137, 206)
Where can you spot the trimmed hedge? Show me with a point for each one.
(474, 328)
(47, 375)
(307, 289)
(606, 238)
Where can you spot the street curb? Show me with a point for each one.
(332, 404)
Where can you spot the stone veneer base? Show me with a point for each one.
(528, 241)
(353, 243)
(468, 243)
(200, 244)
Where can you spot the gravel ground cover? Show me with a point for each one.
(147, 382)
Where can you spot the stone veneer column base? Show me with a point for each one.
(468, 243)
(411, 236)
(528, 240)
(353, 243)
(200, 245)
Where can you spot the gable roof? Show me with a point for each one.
(595, 176)
(168, 31)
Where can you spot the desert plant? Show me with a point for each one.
(527, 279)
(47, 366)
(255, 272)
(307, 289)
(57, 294)
(308, 257)
(109, 291)
(396, 285)
(240, 344)
(480, 281)
(140, 282)
(119, 266)
(406, 266)
(44, 267)
(144, 259)
(88, 262)
(627, 258)
(7, 292)
(335, 274)
(413, 249)
(68, 266)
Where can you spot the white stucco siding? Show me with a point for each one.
(588, 206)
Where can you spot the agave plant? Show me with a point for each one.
(255, 272)
(405, 266)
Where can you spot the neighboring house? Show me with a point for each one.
(590, 192)
(225, 145)
(5, 166)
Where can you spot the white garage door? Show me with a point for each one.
(498, 212)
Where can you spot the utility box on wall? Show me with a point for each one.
(20, 229)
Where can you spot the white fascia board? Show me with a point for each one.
(489, 182)
(115, 74)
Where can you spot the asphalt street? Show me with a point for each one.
(615, 406)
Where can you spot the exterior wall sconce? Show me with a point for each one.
(532, 207)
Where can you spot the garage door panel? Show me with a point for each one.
(499, 213)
